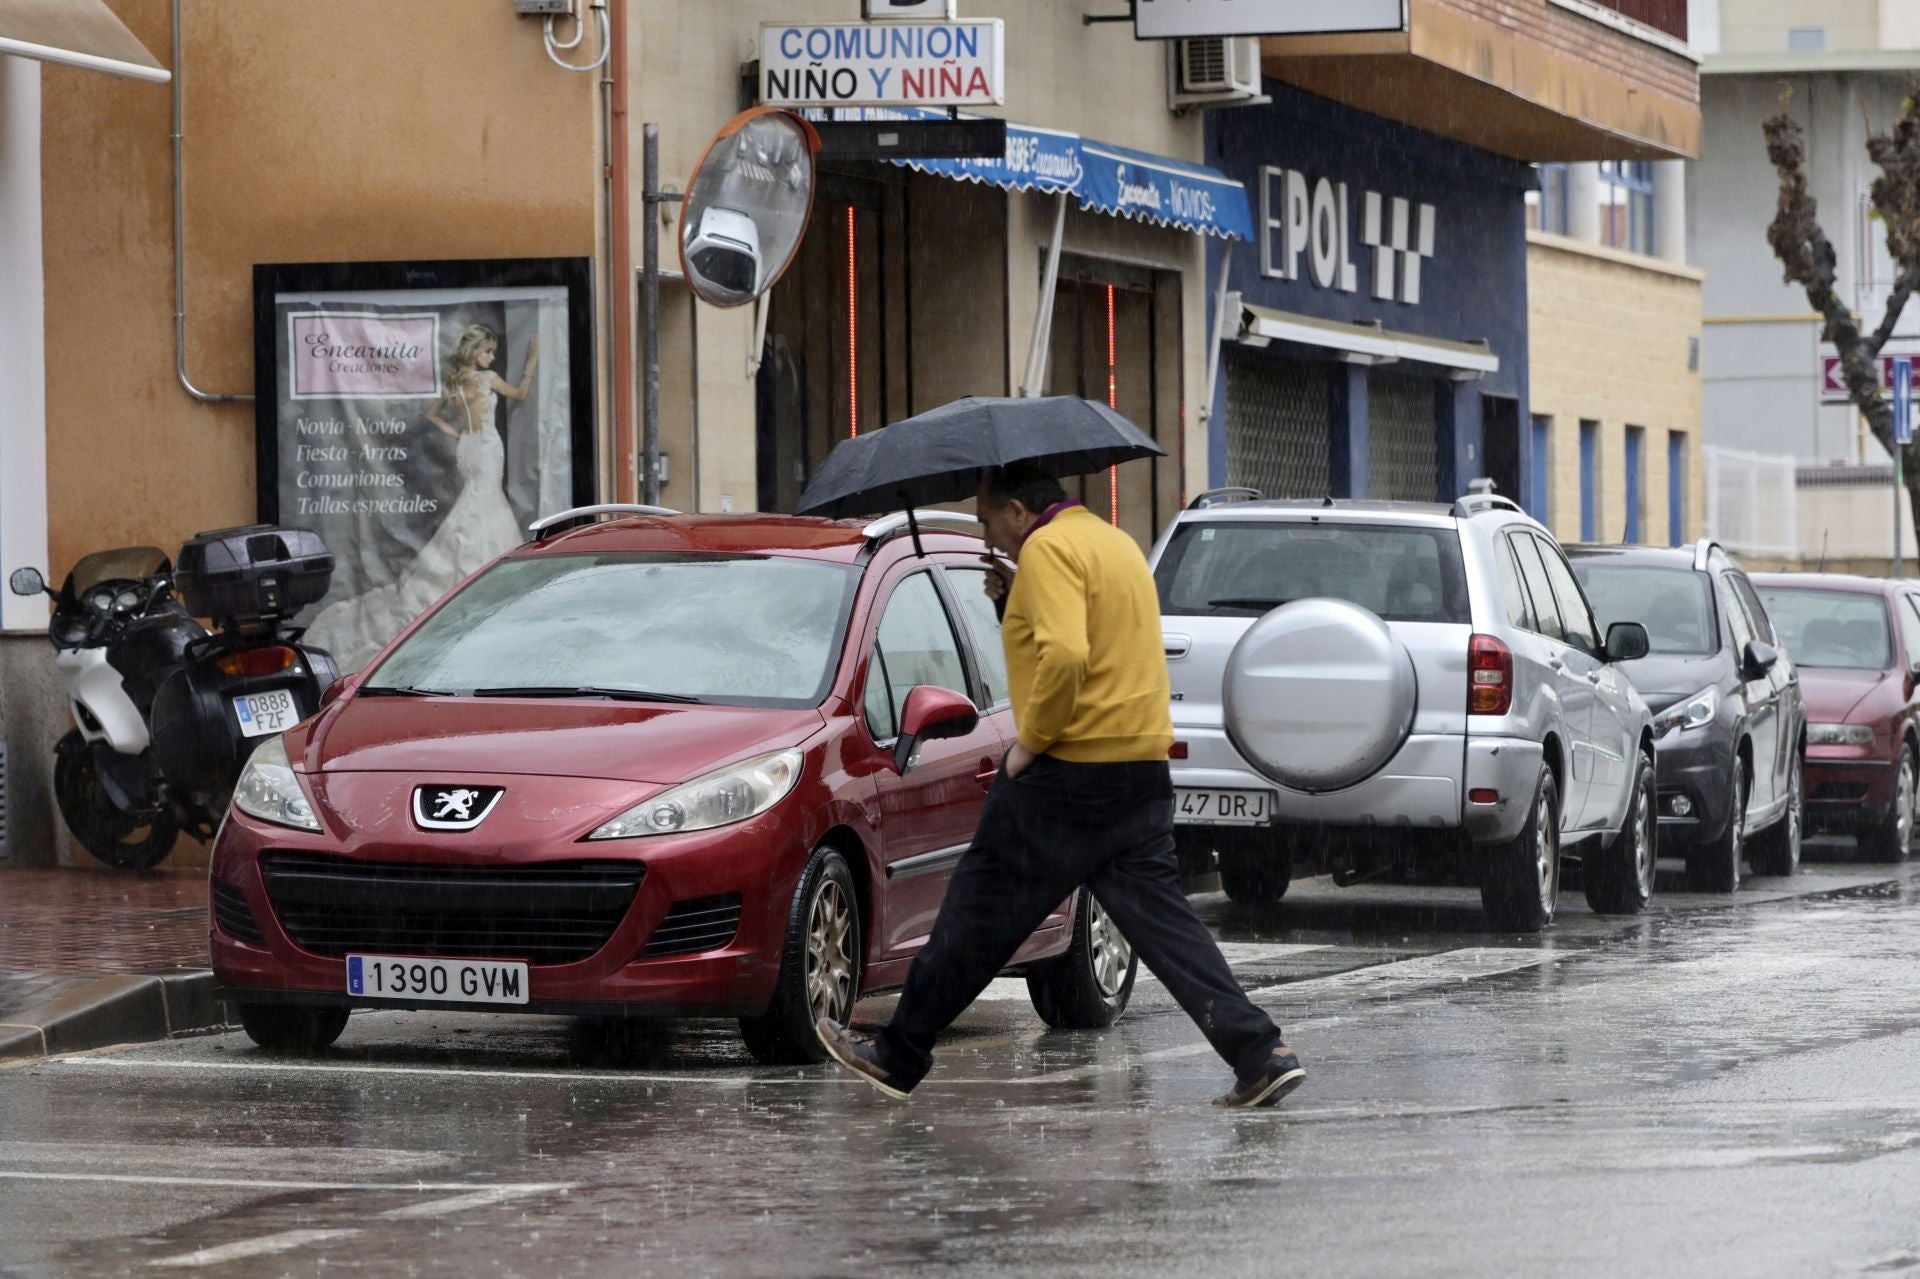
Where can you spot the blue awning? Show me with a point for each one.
(1105, 178)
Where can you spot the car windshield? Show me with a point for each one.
(1845, 629)
(1242, 568)
(751, 631)
(1672, 603)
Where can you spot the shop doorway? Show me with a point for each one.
(894, 304)
(1403, 430)
(1500, 445)
(1116, 339)
(1280, 424)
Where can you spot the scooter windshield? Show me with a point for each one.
(123, 564)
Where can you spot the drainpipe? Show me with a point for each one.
(619, 287)
(180, 233)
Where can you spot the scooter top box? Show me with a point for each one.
(259, 572)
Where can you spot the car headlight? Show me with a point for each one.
(719, 799)
(1696, 712)
(1839, 734)
(268, 789)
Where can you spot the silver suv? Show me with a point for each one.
(1384, 686)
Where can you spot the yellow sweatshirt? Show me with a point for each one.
(1085, 659)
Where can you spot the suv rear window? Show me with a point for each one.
(1240, 568)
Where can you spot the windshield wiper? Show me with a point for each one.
(403, 690)
(615, 694)
(1246, 601)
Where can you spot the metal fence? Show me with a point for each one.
(1279, 425)
(1403, 427)
(1753, 501)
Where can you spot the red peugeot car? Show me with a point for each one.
(1856, 642)
(667, 766)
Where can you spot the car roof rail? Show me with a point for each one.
(1220, 496)
(547, 525)
(1703, 553)
(1480, 503)
(900, 521)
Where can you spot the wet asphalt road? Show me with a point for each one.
(1717, 1087)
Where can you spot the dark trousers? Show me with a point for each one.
(1043, 834)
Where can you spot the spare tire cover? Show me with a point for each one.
(1319, 695)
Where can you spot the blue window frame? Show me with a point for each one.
(1589, 513)
(1540, 482)
(1636, 504)
(1547, 206)
(1626, 205)
(1676, 488)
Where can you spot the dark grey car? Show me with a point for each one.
(1727, 714)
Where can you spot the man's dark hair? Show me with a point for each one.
(1027, 483)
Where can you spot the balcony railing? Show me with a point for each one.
(1669, 16)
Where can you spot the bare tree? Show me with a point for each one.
(1810, 261)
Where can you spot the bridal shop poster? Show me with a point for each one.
(418, 416)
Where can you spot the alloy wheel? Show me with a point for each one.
(1108, 952)
(1796, 804)
(1545, 844)
(830, 932)
(1643, 828)
(1903, 799)
(1737, 833)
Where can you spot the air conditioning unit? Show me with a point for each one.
(1213, 71)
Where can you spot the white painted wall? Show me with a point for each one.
(23, 386)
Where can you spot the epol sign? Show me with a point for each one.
(1306, 234)
(892, 64)
(1182, 19)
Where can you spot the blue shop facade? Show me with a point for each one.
(1373, 341)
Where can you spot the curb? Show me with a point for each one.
(107, 1010)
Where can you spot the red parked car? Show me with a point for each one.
(667, 766)
(1856, 642)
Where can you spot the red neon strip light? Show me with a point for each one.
(1113, 402)
(853, 336)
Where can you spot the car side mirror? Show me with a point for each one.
(339, 689)
(27, 581)
(1759, 658)
(930, 713)
(1627, 642)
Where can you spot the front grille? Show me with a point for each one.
(233, 915)
(702, 923)
(551, 913)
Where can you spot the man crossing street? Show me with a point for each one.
(1084, 797)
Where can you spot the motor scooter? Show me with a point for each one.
(164, 709)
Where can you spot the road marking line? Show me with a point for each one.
(255, 1183)
(449, 1072)
(265, 1245)
(1405, 975)
(1007, 989)
(460, 1203)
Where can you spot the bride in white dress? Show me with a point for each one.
(477, 527)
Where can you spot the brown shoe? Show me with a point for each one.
(1281, 1075)
(854, 1050)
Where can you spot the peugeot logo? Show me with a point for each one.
(453, 807)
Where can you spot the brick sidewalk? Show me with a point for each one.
(88, 920)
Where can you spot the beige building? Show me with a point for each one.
(1613, 338)
(364, 131)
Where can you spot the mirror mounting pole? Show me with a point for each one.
(651, 198)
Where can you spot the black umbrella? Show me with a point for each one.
(938, 455)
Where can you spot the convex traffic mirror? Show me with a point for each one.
(747, 206)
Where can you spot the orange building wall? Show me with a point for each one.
(350, 130)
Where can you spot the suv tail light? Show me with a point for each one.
(1489, 676)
